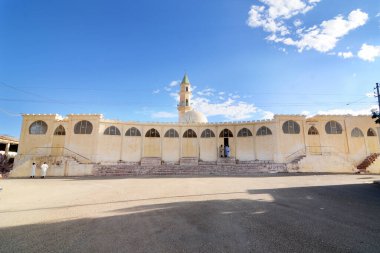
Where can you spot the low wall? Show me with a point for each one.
(330, 164)
(65, 166)
(58, 167)
(374, 167)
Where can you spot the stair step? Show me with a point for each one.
(362, 167)
(224, 169)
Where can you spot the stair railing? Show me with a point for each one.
(76, 156)
(296, 154)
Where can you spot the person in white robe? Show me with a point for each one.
(33, 170)
(44, 168)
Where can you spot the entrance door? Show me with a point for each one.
(226, 142)
(226, 134)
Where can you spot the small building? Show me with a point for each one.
(8, 146)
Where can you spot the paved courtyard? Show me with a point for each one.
(268, 213)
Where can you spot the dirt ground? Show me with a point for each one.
(268, 213)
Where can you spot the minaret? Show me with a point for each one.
(184, 98)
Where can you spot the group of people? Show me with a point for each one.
(44, 168)
(224, 151)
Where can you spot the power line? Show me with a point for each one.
(141, 89)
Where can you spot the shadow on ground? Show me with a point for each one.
(308, 219)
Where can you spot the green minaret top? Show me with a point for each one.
(185, 79)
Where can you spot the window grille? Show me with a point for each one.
(333, 127)
(171, 133)
(356, 132)
(207, 134)
(313, 131)
(371, 132)
(38, 127)
(244, 132)
(152, 133)
(226, 133)
(263, 131)
(60, 130)
(83, 127)
(189, 134)
(291, 127)
(133, 131)
(112, 130)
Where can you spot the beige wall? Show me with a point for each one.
(264, 147)
(109, 147)
(152, 147)
(171, 149)
(278, 146)
(132, 148)
(208, 149)
(290, 143)
(83, 144)
(189, 147)
(245, 148)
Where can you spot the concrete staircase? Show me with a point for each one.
(226, 161)
(150, 161)
(293, 166)
(189, 170)
(362, 167)
(188, 161)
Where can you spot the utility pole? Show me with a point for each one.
(376, 114)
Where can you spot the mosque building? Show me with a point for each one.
(88, 144)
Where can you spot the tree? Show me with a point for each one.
(6, 164)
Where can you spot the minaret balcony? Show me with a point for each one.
(184, 107)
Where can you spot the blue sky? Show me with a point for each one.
(246, 60)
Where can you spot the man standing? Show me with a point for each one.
(33, 170)
(227, 151)
(221, 151)
(44, 168)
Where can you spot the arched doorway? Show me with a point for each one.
(226, 136)
(58, 143)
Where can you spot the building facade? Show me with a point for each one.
(78, 143)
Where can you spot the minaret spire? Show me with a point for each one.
(185, 79)
(184, 98)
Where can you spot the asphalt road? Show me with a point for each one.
(312, 213)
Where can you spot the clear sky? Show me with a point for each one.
(246, 59)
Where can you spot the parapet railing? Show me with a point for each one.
(315, 150)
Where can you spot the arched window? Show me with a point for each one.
(171, 133)
(112, 130)
(226, 133)
(263, 131)
(313, 131)
(207, 133)
(60, 130)
(152, 133)
(133, 131)
(83, 127)
(244, 132)
(333, 127)
(189, 134)
(291, 127)
(38, 127)
(371, 132)
(356, 132)
(187, 102)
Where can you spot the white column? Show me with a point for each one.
(7, 146)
